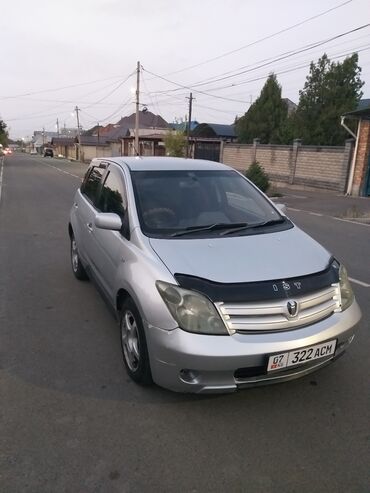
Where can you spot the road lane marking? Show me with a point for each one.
(332, 217)
(349, 221)
(361, 283)
(1, 175)
(61, 170)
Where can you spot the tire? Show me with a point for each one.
(77, 267)
(133, 344)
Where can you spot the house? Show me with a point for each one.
(151, 142)
(118, 139)
(290, 105)
(92, 146)
(147, 119)
(359, 173)
(41, 139)
(214, 131)
(64, 146)
(183, 126)
(207, 140)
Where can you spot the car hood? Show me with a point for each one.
(251, 258)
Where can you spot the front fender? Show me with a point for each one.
(137, 274)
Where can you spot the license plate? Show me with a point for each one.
(301, 356)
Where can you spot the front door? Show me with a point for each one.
(108, 247)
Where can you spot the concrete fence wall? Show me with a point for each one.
(313, 166)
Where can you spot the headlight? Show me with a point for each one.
(192, 311)
(346, 292)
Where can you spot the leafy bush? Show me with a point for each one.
(175, 144)
(258, 176)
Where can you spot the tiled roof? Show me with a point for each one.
(147, 119)
(63, 141)
(93, 140)
(117, 133)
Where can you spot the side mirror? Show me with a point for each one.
(282, 208)
(108, 220)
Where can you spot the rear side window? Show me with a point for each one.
(91, 183)
(112, 197)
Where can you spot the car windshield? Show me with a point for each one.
(199, 203)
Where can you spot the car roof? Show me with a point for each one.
(165, 163)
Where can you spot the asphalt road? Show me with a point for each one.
(72, 421)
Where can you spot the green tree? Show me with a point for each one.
(3, 134)
(175, 144)
(331, 89)
(258, 176)
(266, 118)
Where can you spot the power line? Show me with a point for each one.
(314, 45)
(297, 67)
(60, 88)
(260, 40)
(154, 103)
(269, 61)
(190, 87)
(112, 91)
(235, 84)
(118, 110)
(286, 55)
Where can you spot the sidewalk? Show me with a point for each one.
(326, 202)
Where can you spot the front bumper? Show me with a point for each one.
(186, 362)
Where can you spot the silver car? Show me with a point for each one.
(214, 288)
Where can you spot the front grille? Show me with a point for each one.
(274, 315)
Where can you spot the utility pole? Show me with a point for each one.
(190, 98)
(137, 148)
(98, 132)
(58, 127)
(43, 136)
(77, 109)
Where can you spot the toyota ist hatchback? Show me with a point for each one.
(214, 288)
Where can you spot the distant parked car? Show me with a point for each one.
(7, 151)
(48, 152)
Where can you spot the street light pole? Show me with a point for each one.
(137, 148)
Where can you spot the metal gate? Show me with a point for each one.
(207, 150)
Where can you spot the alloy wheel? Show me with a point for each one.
(130, 340)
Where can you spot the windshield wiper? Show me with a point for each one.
(209, 227)
(270, 222)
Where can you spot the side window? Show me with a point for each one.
(112, 196)
(91, 183)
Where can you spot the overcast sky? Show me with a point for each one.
(94, 45)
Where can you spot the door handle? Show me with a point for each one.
(89, 227)
(75, 205)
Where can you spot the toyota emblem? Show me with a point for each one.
(292, 307)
